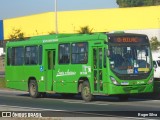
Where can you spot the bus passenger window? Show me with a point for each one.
(79, 53)
(64, 54)
(17, 56)
(31, 55)
(64, 59)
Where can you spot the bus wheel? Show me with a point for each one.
(123, 97)
(33, 89)
(86, 92)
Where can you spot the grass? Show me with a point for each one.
(2, 83)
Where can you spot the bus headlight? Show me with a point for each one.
(151, 80)
(114, 81)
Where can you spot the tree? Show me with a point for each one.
(137, 3)
(51, 33)
(16, 34)
(156, 2)
(85, 30)
(155, 44)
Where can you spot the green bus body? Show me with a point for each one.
(54, 63)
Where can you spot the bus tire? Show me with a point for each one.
(33, 89)
(86, 92)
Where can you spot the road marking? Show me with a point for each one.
(12, 91)
(68, 101)
(31, 108)
(95, 103)
(88, 103)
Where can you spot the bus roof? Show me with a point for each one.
(60, 38)
(57, 38)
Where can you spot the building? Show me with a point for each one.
(136, 19)
(145, 20)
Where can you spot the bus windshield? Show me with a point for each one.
(130, 59)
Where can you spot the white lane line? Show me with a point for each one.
(72, 101)
(31, 108)
(12, 91)
(95, 103)
(88, 103)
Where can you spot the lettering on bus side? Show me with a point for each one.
(51, 40)
(65, 73)
(85, 70)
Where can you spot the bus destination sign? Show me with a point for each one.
(128, 39)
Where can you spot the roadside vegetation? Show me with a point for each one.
(85, 30)
(16, 34)
(137, 3)
(2, 83)
(155, 44)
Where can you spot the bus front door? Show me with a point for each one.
(97, 69)
(50, 64)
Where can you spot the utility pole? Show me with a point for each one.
(56, 21)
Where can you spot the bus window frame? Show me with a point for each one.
(40, 54)
(36, 55)
(9, 56)
(59, 59)
(14, 58)
(86, 52)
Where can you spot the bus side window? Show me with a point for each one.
(19, 56)
(64, 53)
(31, 55)
(80, 53)
(64, 59)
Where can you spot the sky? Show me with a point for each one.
(17, 8)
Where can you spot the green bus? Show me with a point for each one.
(91, 64)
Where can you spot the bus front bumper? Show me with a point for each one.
(113, 89)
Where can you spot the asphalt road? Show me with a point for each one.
(57, 106)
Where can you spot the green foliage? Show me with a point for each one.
(156, 2)
(85, 30)
(155, 44)
(16, 34)
(51, 33)
(137, 3)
